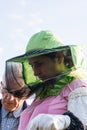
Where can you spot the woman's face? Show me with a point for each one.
(45, 67)
(9, 101)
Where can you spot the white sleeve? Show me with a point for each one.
(49, 122)
(78, 104)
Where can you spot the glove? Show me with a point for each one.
(49, 122)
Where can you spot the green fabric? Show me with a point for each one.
(78, 57)
(46, 42)
(29, 74)
(43, 40)
(53, 88)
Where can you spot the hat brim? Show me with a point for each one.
(38, 52)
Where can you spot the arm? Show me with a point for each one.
(55, 122)
(49, 122)
(77, 104)
(71, 120)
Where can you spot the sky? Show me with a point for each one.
(20, 19)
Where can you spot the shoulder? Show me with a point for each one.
(77, 83)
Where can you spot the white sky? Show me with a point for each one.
(19, 19)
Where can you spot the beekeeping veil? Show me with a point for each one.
(45, 42)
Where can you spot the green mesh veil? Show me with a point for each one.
(45, 42)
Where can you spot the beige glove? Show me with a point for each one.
(49, 122)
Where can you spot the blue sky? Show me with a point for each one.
(19, 19)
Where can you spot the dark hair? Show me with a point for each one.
(68, 58)
(68, 61)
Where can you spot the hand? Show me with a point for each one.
(49, 122)
(9, 102)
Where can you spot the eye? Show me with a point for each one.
(36, 64)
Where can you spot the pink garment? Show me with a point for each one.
(51, 105)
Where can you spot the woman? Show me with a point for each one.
(53, 71)
(13, 97)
